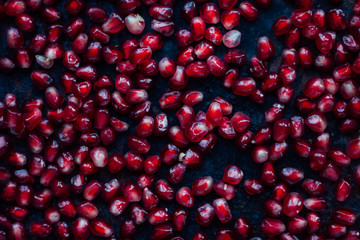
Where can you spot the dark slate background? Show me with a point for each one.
(224, 152)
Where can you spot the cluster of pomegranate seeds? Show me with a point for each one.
(95, 155)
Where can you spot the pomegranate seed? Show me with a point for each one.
(162, 231)
(176, 173)
(222, 210)
(335, 230)
(336, 19)
(202, 186)
(330, 172)
(87, 210)
(188, 10)
(292, 38)
(297, 225)
(343, 190)
(224, 190)
(292, 204)
(101, 228)
(344, 216)
(352, 149)
(197, 26)
(164, 191)
(118, 205)
(244, 86)
(66, 207)
(281, 26)
(230, 18)
(272, 208)
(272, 227)
(291, 175)
(17, 229)
(253, 186)
(232, 38)
(165, 28)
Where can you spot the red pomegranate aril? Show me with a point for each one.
(305, 105)
(306, 59)
(244, 86)
(303, 149)
(138, 214)
(87, 210)
(23, 58)
(281, 26)
(66, 207)
(25, 22)
(279, 191)
(184, 38)
(232, 38)
(134, 162)
(272, 208)
(188, 10)
(101, 228)
(224, 190)
(300, 17)
(184, 197)
(162, 231)
(297, 126)
(170, 100)
(138, 144)
(230, 18)
(164, 190)
(292, 204)
(257, 97)
(165, 28)
(23, 176)
(40, 229)
(176, 173)
(297, 224)
(191, 158)
(253, 186)
(336, 19)
(222, 210)
(153, 41)
(118, 205)
(291, 175)
(287, 74)
(324, 62)
(216, 65)
(313, 187)
(260, 154)
(272, 227)
(265, 47)
(335, 230)
(232, 175)
(49, 175)
(149, 199)
(344, 216)
(14, 38)
(177, 137)
(197, 26)
(330, 172)
(179, 219)
(235, 56)
(268, 175)
(17, 213)
(14, 7)
(343, 189)
(292, 38)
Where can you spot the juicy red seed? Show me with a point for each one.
(222, 210)
(281, 26)
(272, 227)
(343, 189)
(292, 204)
